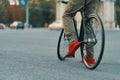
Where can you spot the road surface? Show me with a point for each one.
(30, 54)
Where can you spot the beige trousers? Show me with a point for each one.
(71, 9)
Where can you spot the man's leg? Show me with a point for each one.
(91, 8)
(72, 7)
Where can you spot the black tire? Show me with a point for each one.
(62, 46)
(99, 40)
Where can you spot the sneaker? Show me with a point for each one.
(89, 60)
(72, 47)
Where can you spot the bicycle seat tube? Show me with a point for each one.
(84, 18)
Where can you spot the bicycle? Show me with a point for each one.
(94, 24)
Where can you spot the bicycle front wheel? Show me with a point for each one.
(94, 38)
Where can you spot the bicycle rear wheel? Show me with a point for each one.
(97, 41)
(63, 42)
(62, 46)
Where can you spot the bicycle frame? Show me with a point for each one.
(83, 29)
(82, 26)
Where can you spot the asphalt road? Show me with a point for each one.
(30, 54)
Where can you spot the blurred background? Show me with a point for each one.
(35, 13)
(48, 13)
